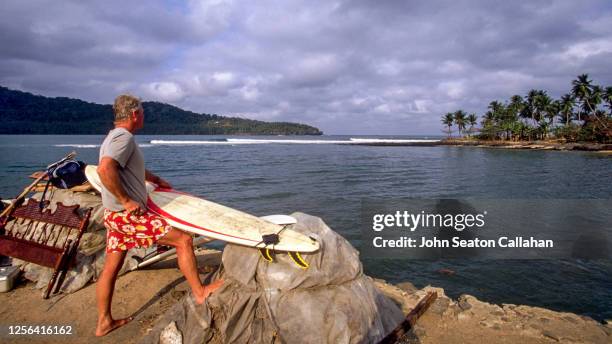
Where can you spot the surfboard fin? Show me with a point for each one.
(266, 254)
(298, 260)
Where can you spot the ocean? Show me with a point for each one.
(325, 177)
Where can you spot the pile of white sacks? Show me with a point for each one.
(261, 302)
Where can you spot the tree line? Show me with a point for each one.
(25, 113)
(583, 114)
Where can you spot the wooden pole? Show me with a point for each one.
(410, 319)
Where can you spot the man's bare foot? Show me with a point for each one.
(106, 326)
(207, 290)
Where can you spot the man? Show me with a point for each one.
(126, 218)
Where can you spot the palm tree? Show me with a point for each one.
(596, 98)
(532, 95)
(472, 120)
(447, 120)
(515, 107)
(487, 119)
(566, 108)
(540, 104)
(581, 90)
(460, 120)
(512, 114)
(497, 109)
(552, 111)
(608, 98)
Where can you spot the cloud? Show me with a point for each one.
(164, 91)
(391, 67)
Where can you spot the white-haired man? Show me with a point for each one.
(128, 222)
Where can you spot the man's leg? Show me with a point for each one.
(187, 263)
(104, 293)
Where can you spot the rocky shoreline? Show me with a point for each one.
(469, 320)
(448, 320)
(535, 145)
(538, 145)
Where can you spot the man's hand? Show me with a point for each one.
(163, 184)
(108, 170)
(149, 176)
(133, 207)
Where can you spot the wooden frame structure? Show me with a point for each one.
(43, 237)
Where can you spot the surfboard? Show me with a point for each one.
(199, 216)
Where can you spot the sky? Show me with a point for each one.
(346, 67)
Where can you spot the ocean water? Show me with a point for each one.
(325, 177)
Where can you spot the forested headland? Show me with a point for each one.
(26, 113)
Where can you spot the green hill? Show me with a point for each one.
(25, 113)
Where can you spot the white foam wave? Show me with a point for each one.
(188, 143)
(358, 140)
(286, 141)
(245, 142)
(259, 141)
(77, 145)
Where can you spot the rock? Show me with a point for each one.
(490, 324)
(463, 302)
(570, 318)
(544, 320)
(178, 294)
(550, 335)
(447, 272)
(530, 332)
(498, 312)
(418, 331)
(268, 303)
(407, 287)
(171, 335)
(464, 316)
(439, 306)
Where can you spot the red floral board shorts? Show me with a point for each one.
(125, 231)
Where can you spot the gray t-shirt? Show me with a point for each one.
(120, 145)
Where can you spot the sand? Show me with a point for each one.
(144, 294)
(147, 294)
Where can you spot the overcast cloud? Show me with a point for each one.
(347, 67)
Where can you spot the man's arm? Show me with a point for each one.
(149, 176)
(108, 170)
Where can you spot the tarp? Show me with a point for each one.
(262, 302)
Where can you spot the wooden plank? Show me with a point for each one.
(29, 251)
(79, 188)
(39, 174)
(410, 319)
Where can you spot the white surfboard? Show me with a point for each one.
(213, 220)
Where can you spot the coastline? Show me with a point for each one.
(535, 145)
(448, 320)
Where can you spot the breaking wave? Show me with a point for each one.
(358, 140)
(285, 141)
(78, 145)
